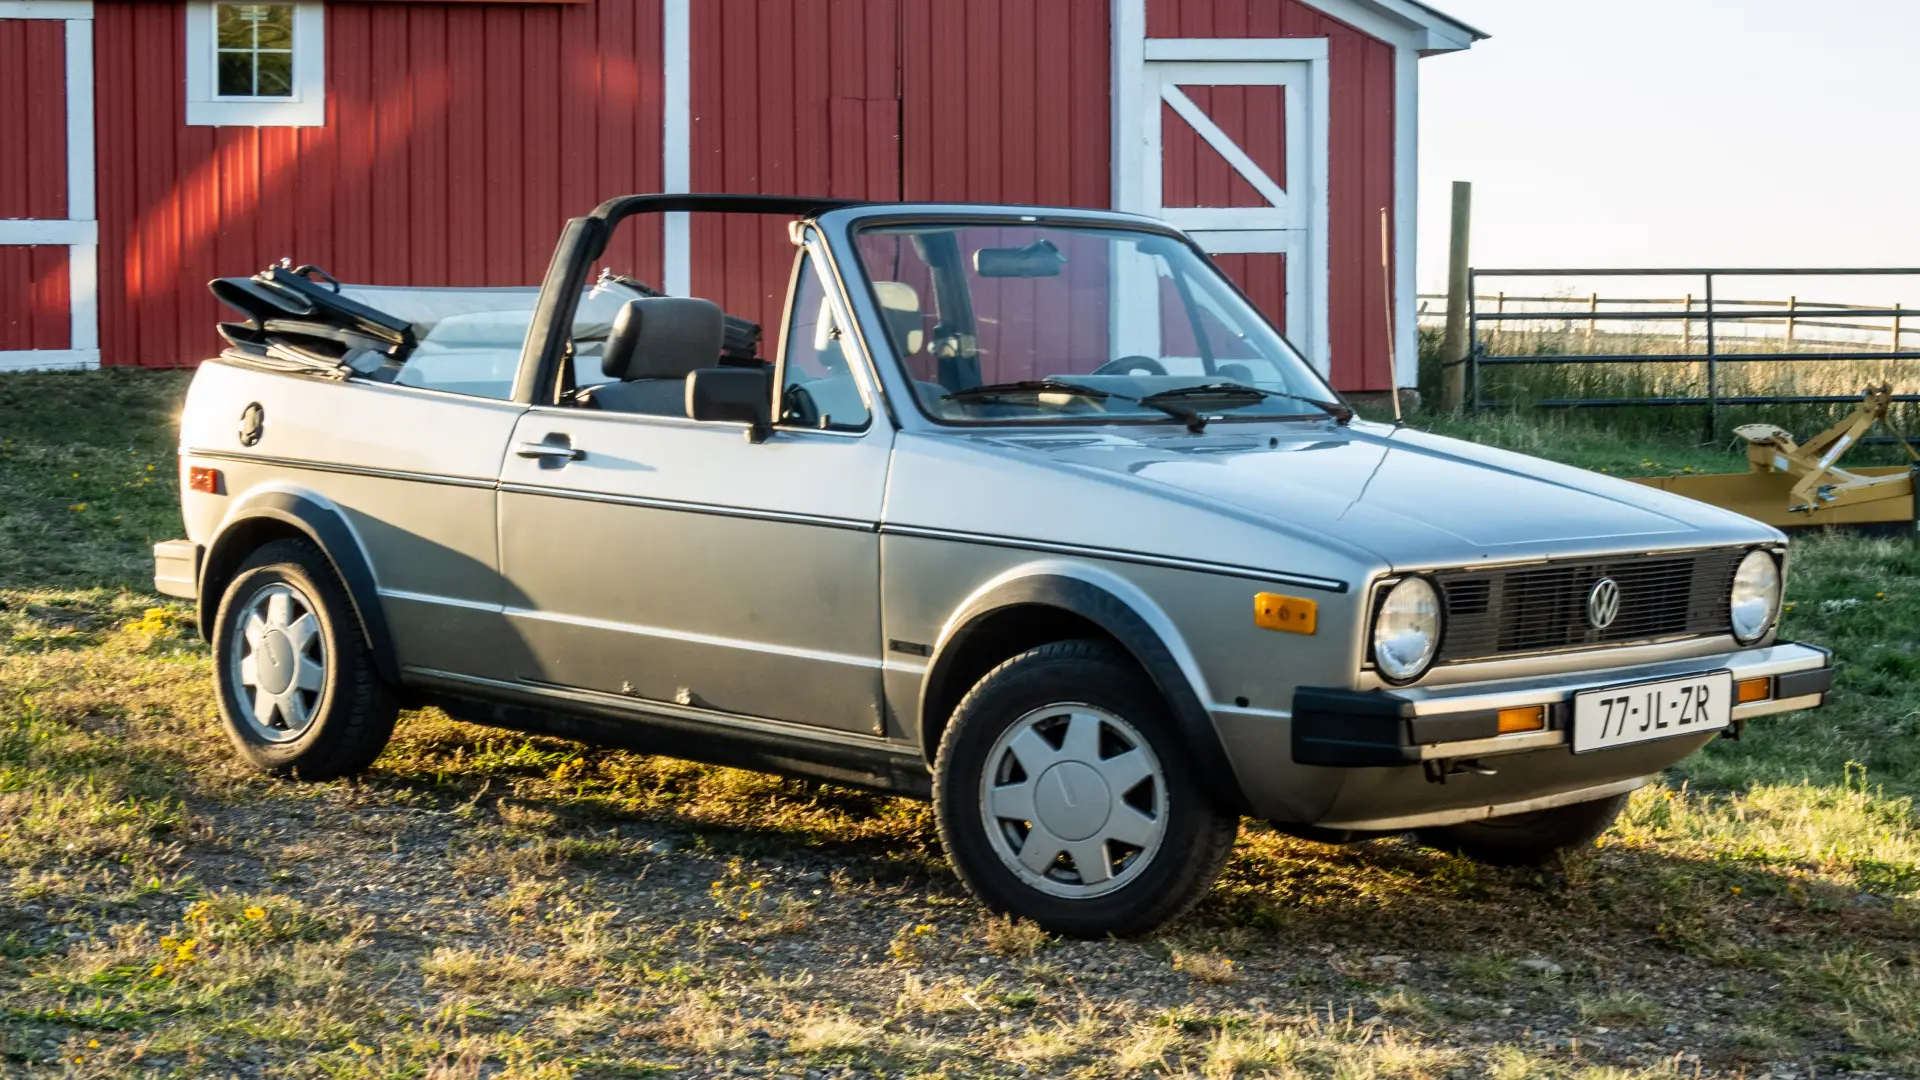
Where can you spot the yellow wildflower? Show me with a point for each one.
(255, 913)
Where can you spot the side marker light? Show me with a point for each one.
(1292, 614)
(202, 479)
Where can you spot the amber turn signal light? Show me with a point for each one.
(1293, 614)
(1747, 690)
(201, 478)
(1525, 718)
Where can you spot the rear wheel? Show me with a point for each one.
(1063, 797)
(299, 693)
(1529, 839)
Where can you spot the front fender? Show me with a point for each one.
(1126, 614)
(320, 521)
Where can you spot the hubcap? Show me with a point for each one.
(1074, 800)
(279, 662)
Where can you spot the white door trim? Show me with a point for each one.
(79, 231)
(1236, 49)
(1406, 214)
(46, 9)
(676, 150)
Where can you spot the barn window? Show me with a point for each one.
(256, 64)
(254, 54)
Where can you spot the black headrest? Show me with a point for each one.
(663, 337)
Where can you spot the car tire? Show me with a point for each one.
(300, 695)
(1119, 790)
(1529, 839)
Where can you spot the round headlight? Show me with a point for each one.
(1755, 600)
(1406, 632)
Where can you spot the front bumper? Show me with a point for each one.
(1412, 725)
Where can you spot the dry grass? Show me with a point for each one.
(1208, 967)
(485, 904)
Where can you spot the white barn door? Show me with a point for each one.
(1255, 188)
(78, 232)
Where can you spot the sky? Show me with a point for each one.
(1676, 133)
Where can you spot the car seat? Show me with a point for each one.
(655, 342)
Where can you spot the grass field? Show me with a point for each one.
(485, 904)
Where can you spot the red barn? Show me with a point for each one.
(154, 144)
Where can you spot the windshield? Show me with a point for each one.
(999, 322)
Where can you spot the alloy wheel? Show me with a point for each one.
(279, 662)
(1074, 800)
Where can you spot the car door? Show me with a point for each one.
(671, 560)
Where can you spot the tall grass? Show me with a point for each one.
(1681, 372)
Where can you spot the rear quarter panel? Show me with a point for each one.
(412, 473)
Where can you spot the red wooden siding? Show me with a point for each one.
(33, 118)
(788, 97)
(459, 137)
(1263, 277)
(1360, 172)
(1007, 100)
(33, 298)
(888, 99)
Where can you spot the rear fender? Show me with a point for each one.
(1127, 615)
(318, 519)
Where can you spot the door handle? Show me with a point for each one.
(556, 449)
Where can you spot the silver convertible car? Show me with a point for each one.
(1030, 512)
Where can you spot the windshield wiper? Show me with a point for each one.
(1028, 388)
(1036, 387)
(1230, 390)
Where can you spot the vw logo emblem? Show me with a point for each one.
(1603, 603)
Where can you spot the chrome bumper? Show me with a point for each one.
(1353, 728)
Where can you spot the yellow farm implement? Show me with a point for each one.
(1793, 485)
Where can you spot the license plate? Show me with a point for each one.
(1642, 712)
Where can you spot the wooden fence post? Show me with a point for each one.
(1454, 347)
(1793, 304)
(1687, 333)
(1499, 328)
(1896, 326)
(1593, 305)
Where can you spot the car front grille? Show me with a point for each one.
(1543, 608)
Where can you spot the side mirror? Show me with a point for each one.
(733, 395)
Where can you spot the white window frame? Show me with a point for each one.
(307, 107)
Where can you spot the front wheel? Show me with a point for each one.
(1529, 839)
(1062, 796)
(299, 693)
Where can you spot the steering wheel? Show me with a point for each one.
(1130, 365)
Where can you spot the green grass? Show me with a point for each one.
(487, 904)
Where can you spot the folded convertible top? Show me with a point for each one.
(300, 318)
